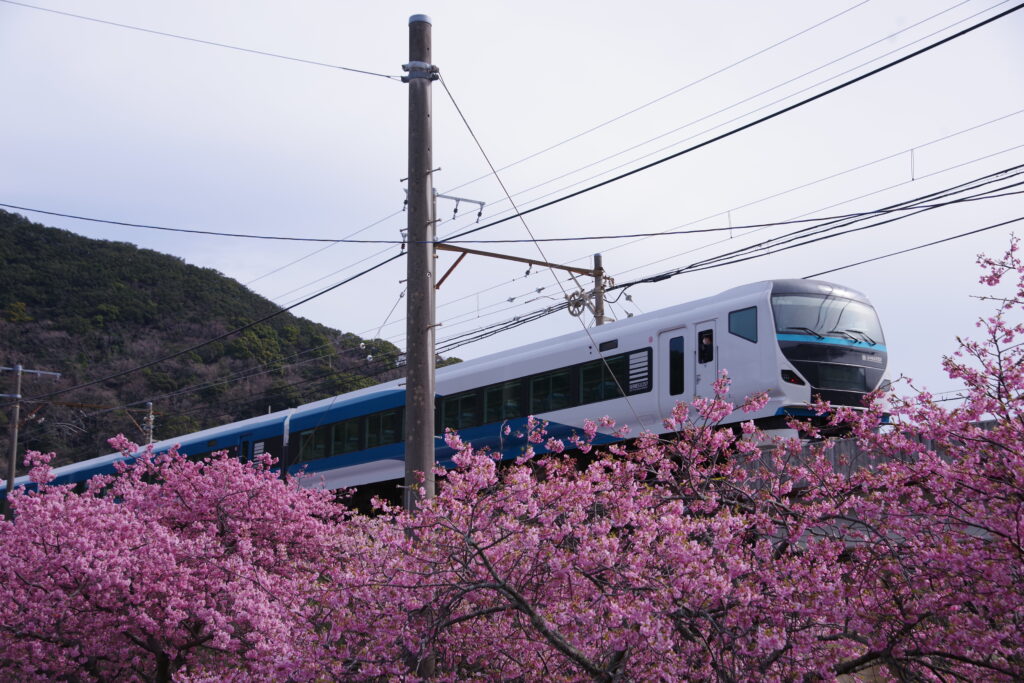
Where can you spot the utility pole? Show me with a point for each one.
(12, 455)
(149, 422)
(598, 291)
(421, 228)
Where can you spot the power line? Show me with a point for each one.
(492, 330)
(776, 195)
(808, 235)
(736, 104)
(748, 125)
(641, 107)
(212, 43)
(598, 285)
(920, 246)
(576, 238)
(536, 293)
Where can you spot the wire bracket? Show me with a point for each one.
(420, 70)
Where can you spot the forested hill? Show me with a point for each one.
(92, 308)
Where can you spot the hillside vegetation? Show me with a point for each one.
(92, 308)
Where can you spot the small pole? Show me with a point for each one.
(149, 422)
(420, 358)
(599, 318)
(12, 456)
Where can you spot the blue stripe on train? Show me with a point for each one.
(807, 338)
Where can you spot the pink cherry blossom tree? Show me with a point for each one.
(696, 553)
(172, 568)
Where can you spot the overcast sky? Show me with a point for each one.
(102, 121)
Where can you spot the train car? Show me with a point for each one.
(794, 339)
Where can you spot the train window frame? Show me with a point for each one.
(706, 352)
(742, 327)
(467, 408)
(510, 404)
(315, 444)
(374, 435)
(545, 403)
(611, 382)
(676, 365)
(345, 430)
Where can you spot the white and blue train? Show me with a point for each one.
(795, 339)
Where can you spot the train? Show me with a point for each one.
(795, 339)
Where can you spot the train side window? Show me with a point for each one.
(347, 436)
(550, 391)
(605, 379)
(503, 401)
(313, 444)
(383, 428)
(743, 323)
(676, 370)
(462, 411)
(705, 346)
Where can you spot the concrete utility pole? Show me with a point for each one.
(599, 318)
(149, 422)
(12, 455)
(419, 349)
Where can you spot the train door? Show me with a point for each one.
(673, 375)
(243, 446)
(705, 359)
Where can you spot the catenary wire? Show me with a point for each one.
(750, 124)
(575, 238)
(491, 330)
(739, 117)
(920, 246)
(667, 95)
(540, 249)
(847, 55)
(282, 267)
(804, 186)
(845, 201)
(211, 43)
(745, 255)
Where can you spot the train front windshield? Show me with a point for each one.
(826, 315)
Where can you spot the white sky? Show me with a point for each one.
(101, 121)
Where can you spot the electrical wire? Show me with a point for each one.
(502, 303)
(604, 360)
(575, 238)
(808, 235)
(212, 43)
(736, 104)
(278, 297)
(492, 329)
(920, 246)
(667, 95)
(748, 125)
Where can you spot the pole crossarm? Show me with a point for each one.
(30, 372)
(442, 246)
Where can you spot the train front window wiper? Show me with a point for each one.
(808, 330)
(845, 334)
(864, 334)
